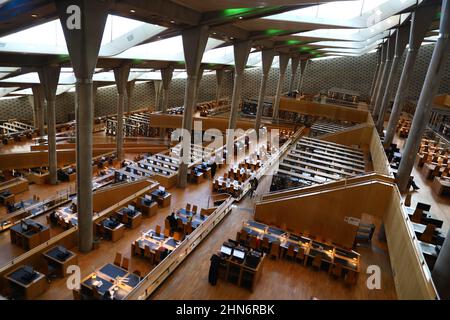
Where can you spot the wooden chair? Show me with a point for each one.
(138, 273)
(408, 200)
(350, 277)
(194, 209)
(137, 250)
(178, 236)
(158, 230)
(166, 224)
(188, 207)
(96, 294)
(118, 259)
(253, 242)
(243, 237)
(428, 234)
(265, 246)
(300, 255)
(180, 224)
(417, 215)
(76, 294)
(125, 263)
(166, 232)
(158, 257)
(188, 228)
(317, 261)
(336, 270)
(275, 250)
(290, 252)
(148, 254)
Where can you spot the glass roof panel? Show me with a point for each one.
(5, 91)
(356, 14)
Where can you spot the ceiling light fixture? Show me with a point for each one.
(132, 11)
(172, 21)
(34, 15)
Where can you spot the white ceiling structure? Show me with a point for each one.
(331, 29)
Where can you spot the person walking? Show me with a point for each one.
(213, 169)
(254, 186)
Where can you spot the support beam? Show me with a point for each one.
(219, 78)
(420, 23)
(375, 76)
(295, 60)
(400, 44)
(267, 56)
(83, 45)
(166, 74)
(95, 86)
(130, 90)
(194, 44)
(425, 103)
(157, 84)
(49, 77)
(241, 52)
(199, 80)
(38, 105)
(303, 64)
(384, 76)
(121, 77)
(284, 60)
(373, 97)
(441, 271)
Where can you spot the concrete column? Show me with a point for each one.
(219, 77)
(34, 107)
(194, 44)
(158, 88)
(283, 59)
(420, 22)
(83, 45)
(199, 80)
(49, 77)
(267, 60)
(130, 90)
(303, 65)
(380, 72)
(38, 104)
(400, 45)
(384, 75)
(441, 271)
(375, 76)
(166, 74)
(95, 86)
(425, 103)
(121, 76)
(241, 52)
(294, 66)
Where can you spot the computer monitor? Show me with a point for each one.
(24, 226)
(161, 189)
(131, 207)
(28, 269)
(238, 254)
(226, 250)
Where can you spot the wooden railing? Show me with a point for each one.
(151, 282)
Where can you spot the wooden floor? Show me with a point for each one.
(439, 205)
(280, 279)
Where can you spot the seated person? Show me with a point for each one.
(73, 207)
(172, 221)
(53, 217)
